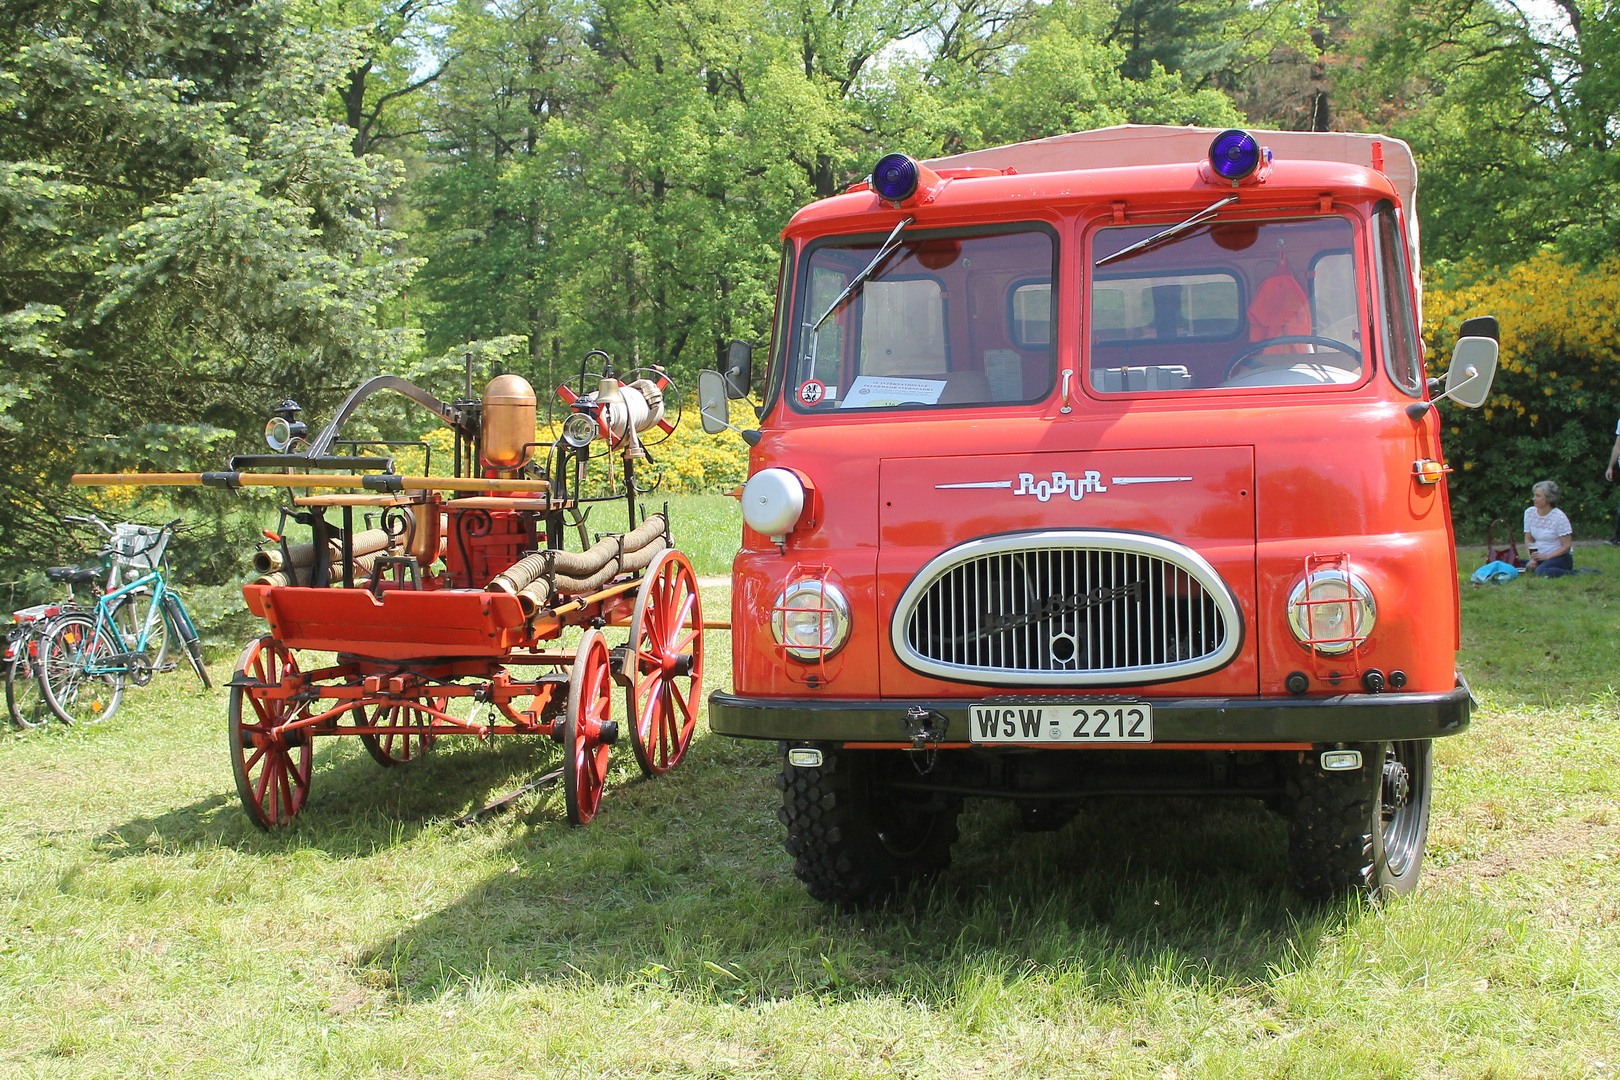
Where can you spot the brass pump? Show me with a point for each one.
(509, 422)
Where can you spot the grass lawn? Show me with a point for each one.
(149, 930)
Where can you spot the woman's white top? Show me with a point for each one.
(1546, 531)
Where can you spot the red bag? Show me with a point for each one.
(1508, 552)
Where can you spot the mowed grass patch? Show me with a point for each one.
(150, 930)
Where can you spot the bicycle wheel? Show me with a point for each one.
(188, 636)
(25, 701)
(130, 616)
(74, 676)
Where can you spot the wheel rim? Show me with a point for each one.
(585, 755)
(67, 650)
(1403, 805)
(665, 666)
(398, 747)
(272, 766)
(25, 701)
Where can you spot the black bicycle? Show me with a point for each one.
(25, 697)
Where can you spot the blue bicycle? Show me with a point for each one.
(86, 657)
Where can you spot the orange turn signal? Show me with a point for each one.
(1429, 471)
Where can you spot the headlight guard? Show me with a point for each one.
(811, 619)
(1331, 611)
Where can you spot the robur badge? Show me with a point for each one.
(1061, 483)
(995, 621)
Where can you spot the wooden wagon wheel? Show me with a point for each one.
(664, 667)
(398, 748)
(272, 766)
(585, 754)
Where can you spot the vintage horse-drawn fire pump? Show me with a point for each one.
(448, 617)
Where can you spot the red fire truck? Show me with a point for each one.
(1102, 465)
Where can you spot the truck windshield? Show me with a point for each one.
(1230, 305)
(947, 319)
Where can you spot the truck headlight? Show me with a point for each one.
(811, 619)
(1331, 611)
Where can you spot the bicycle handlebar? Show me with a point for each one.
(91, 519)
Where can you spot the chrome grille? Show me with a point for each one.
(1067, 608)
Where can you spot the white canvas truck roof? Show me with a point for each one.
(1159, 144)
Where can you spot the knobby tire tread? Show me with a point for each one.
(830, 814)
(1330, 819)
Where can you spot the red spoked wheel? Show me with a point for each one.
(587, 731)
(272, 765)
(664, 668)
(398, 747)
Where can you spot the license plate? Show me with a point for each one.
(1067, 722)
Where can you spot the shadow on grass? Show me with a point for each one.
(355, 807)
(683, 883)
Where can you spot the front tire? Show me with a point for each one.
(853, 838)
(1362, 830)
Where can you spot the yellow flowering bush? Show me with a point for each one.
(1553, 408)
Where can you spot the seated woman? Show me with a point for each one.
(1548, 533)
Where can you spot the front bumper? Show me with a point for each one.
(1176, 721)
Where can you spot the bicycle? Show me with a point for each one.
(25, 700)
(86, 657)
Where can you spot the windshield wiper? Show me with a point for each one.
(888, 248)
(1165, 234)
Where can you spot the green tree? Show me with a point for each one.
(1070, 77)
(185, 240)
(376, 97)
(1511, 116)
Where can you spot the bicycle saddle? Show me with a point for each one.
(73, 575)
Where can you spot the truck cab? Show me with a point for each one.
(1103, 465)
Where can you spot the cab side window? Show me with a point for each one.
(1403, 351)
(1029, 320)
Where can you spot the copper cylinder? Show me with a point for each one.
(423, 536)
(509, 406)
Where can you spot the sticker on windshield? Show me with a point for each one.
(871, 392)
(812, 392)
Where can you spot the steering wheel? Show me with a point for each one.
(1288, 339)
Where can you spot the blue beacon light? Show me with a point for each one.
(895, 178)
(1234, 155)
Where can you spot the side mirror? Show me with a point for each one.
(1473, 369)
(738, 369)
(714, 408)
(712, 402)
